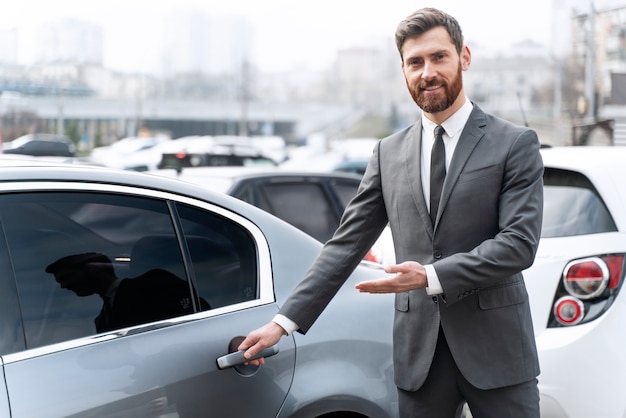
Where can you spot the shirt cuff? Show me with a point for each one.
(285, 323)
(434, 286)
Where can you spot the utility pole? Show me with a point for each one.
(245, 97)
(590, 72)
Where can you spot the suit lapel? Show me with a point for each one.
(412, 154)
(470, 136)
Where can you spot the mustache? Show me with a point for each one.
(430, 83)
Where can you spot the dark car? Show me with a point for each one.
(41, 145)
(188, 272)
(217, 151)
(181, 160)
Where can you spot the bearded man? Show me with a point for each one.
(463, 233)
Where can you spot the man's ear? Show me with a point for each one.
(466, 58)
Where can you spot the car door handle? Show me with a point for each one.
(233, 359)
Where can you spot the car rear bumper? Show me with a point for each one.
(583, 368)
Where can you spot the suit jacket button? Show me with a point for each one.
(437, 255)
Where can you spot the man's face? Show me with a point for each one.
(433, 72)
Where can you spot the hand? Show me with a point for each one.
(259, 339)
(409, 275)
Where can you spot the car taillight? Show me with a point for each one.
(586, 278)
(374, 255)
(588, 288)
(569, 310)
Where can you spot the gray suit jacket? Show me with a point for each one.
(486, 233)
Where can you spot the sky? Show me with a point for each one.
(288, 33)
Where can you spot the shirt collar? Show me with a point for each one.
(454, 124)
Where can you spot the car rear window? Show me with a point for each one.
(573, 206)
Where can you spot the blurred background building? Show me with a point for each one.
(571, 91)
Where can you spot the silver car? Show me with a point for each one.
(121, 293)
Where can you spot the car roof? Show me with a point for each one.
(34, 170)
(583, 157)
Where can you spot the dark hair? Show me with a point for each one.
(424, 20)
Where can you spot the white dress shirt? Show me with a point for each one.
(453, 127)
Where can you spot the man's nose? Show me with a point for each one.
(429, 72)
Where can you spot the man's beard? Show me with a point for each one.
(434, 104)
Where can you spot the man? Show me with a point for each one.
(462, 328)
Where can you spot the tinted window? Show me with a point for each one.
(304, 205)
(345, 190)
(223, 255)
(92, 262)
(572, 206)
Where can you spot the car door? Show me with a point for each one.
(149, 362)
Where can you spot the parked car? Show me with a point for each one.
(349, 155)
(68, 350)
(576, 284)
(356, 166)
(225, 150)
(138, 153)
(41, 145)
(311, 201)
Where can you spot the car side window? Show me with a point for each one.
(223, 257)
(76, 266)
(304, 205)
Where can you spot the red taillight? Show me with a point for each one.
(615, 264)
(586, 278)
(181, 155)
(374, 255)
(569, 310)
(588, 288)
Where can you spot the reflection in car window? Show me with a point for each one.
(43, 228)
(572, 206)
(86, 263)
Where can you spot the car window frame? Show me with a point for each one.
(265, 286)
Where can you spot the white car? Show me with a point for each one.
(579, 312)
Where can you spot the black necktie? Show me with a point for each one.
(437, 171)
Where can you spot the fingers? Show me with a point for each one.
(376, 286)
(405, 267)
(259, 339)
(404, 277)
